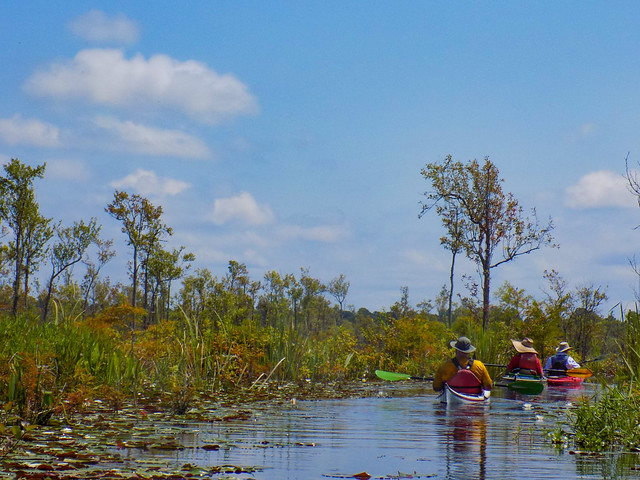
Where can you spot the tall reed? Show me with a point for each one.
(628, 350)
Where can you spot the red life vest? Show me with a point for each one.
(528, 361)
(465, 382)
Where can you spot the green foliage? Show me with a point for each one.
(413, 345)
(30, 230)
(69, 249)
(629, 348)
(141, 223)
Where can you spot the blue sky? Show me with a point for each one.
(289, 135)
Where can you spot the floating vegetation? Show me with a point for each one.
(142, 439)
(103, 444)
(609, 422)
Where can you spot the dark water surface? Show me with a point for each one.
(406, 435)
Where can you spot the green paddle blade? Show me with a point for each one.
(528, 388)
(392, 376)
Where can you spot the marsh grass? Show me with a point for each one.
(611, 421)
(628, 350)
(59, 366)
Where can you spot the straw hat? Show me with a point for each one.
(563, 347)
(463, 344)
(525, 346)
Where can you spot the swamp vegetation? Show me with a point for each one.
(83, 354)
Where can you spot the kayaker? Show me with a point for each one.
(526, 361)
(561, 361)
(462, 362)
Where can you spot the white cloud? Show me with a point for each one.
(424, 257)
(105, 77)
(97, 26)
(17, 130)
(153, 141)
(67, 170)
(599, 189)
(242, 207)
(146, 182)
(586, 129)
(321, 233)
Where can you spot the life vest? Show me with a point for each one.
(559, 361)
(528, 361)
(465, 381)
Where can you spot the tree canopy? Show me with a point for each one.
(489, 224)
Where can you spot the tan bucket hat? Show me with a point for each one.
(563, 347)
(525, 346)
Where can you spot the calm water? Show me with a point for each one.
(407, 436)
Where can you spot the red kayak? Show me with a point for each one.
(564, 381)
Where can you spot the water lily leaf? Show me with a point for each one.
(362, 476)
(211, 447)
(17, 431)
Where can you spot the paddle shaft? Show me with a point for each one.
(529, 388)
(597, 359)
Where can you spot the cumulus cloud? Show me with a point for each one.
(106, 77)
(97, 26)
(146, 182)
(68, 170)
(147, 140)
(242, 207)
(599, 189)
(17, 130)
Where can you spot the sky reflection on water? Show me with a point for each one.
(407, 435)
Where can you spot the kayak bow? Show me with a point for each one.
(453, 397)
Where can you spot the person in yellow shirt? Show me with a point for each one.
(462, 361)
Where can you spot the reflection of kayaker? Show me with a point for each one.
(526, 361)
(558, 364)
(462, 373)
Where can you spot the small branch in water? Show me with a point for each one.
(273, 370)
(256, 381)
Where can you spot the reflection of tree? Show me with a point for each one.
(618, 465)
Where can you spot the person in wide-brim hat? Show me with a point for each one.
(462, 361)
(558, 364)
(524, 346)
(526, 361)
(463, 344)
(563, 347)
